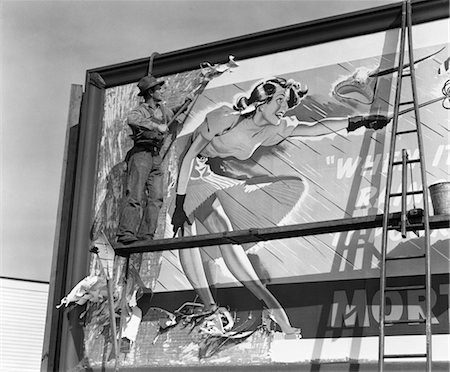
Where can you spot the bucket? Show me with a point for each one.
(440, 197)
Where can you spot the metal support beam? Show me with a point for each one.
(279, 232)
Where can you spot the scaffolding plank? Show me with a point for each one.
(273, 233)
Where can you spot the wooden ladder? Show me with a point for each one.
(417, 214)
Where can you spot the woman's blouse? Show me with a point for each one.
(228, 135)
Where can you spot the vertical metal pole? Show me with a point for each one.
(387, 196)
(404, 190)
(112, 314)
(426, 219)
(123, 304)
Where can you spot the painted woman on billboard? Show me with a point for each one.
(223, 187)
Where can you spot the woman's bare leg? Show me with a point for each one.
(240, 266)
(191, 262)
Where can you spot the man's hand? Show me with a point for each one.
(179, 217)
(189, 98)
(163, 128)
(372, 121)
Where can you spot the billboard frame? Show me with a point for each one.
(71, 253)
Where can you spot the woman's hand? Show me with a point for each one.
(179, 217)
(372, 121)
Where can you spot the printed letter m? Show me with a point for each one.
(344, 313)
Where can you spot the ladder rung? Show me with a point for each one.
(410, 227)
(405, 257)
(406, 74)
(406, 132)
(415, 192)
(404, 288)
(407, 103)
(407, 162)
(398, 356)
(404, 321)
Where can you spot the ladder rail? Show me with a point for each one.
(425, 192)
(385, 230)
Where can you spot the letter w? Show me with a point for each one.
(347, 168)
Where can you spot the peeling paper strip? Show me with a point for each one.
(131, 326)
(92, 288)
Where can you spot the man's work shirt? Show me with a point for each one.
(144, 121)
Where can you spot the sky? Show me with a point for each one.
(48, 45)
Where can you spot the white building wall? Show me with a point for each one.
(23, 307)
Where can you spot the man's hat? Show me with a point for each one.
(148, 82)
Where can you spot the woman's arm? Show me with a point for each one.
(332, 125)
(320, 127)
(188, 162)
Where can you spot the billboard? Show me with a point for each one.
(293, 137)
